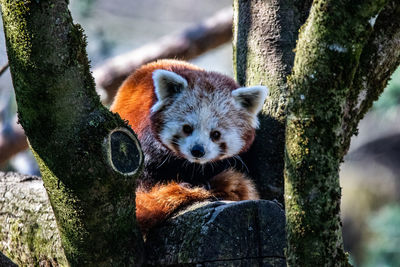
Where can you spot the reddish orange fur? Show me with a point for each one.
(161, 201)
(133, 102)
(154, 206)
(233, 185)
(136, 95)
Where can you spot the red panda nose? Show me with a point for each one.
(197, 151)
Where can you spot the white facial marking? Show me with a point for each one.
(209, 111)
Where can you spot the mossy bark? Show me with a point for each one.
(327, 56)
(345, 55)
(69, 132)
(379, 59)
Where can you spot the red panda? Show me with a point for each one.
(191, 124)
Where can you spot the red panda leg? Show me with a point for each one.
(161, 201)
(233, 185)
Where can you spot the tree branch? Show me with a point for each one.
(244, 233)
(218, 233)
(187, 44)
(3, 68)
(327, 56)
(12, 141)
(29, 231)
(379, 59)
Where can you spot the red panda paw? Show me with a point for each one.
(233, 185)
(154, 206)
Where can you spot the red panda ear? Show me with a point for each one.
(167, 83)
(251, 98)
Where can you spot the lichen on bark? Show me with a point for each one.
(327, 56)
(28, 232)
(67, 126)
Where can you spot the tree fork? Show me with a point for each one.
(327, 56)
(83, 150)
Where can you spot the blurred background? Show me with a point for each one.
(370, 174)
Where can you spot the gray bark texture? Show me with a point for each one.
(265, 34)
(28, 228)
(247, 233)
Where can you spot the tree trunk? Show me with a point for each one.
(89, 158)
(343, 61)
(265, 34)
(327, 59)
(247, 233)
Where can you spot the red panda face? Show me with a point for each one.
(206, 118)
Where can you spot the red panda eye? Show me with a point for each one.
(187, 129)
(215, 135)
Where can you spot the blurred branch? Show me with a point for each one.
(187, 44)
(379, 59)
(12, 141)
(3, 68)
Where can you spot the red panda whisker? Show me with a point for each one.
(240, 159)
(229, 162)
(234, 160)
(186, 164)
(212, 165)
(165, 160)
(194, 168)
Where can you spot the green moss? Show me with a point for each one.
(66, 126)
(64, 209)
(30, 245)
(328, 52)
(20, 39)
